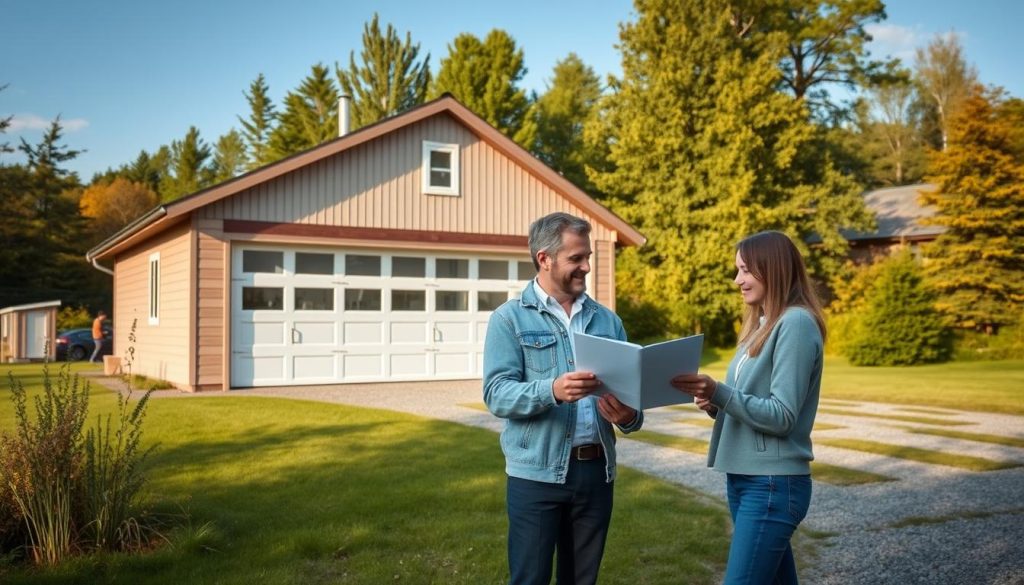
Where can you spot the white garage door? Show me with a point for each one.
(321, 315)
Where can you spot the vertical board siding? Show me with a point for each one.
(604, 273)
(212, 304)
(378, 185)
(161, 350)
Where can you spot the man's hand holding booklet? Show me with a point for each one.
(637, 375)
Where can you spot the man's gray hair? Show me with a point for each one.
(546, 233)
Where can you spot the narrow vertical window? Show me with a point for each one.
(440, 168)
(154, 289)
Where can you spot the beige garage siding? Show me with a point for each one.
(161, 349)
(211, 306)
(378, 185)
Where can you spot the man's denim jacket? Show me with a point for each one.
(526, 349)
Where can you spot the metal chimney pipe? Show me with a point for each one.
(344, 119)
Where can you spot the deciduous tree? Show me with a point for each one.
(390, 78)
(111, 206)
(945, 77)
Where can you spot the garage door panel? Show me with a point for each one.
(409, 332)
(481, 331)
(370, 332)
(259, 333)
(314, 333)
(318, 367)
(454, 363)
(452, 332)
(362, 366)
(410, 364)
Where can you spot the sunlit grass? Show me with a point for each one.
(291, 492)
(921, 455)
(899, 417)
(978, 437)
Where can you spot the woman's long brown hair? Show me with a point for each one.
(773, 259)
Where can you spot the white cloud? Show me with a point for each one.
(21, 122)
(894, 40)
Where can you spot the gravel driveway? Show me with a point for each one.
(933, 525)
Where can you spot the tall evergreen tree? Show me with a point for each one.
(258, 127)
(390, 78)
(189, 172)
(5, 123)
(707, 150)
(484, 75)
(310, 115)
(561, 114)
(229, 157)
(978, 263)
(945, 77)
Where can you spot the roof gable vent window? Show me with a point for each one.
(440, 168)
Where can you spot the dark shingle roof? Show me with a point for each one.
(898, 213)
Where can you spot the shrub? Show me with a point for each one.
(72, 317)
(898, 322)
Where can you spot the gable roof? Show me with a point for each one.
(898, 213)
(166, 215)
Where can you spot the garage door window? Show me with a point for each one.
(314, 299)
(264, 298)
(494, 270)
(452, 300)
(406, 266)
(262, 261)
(490, 300)
(408, 300)
(359, 265)
(306, 263)
(362, 299)
(525, 270)
(452, 268)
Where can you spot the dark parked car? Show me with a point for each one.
(77, 344)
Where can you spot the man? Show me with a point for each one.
(97, 335)
(558, 440)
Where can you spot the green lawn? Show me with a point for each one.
(980, 386)
(282, 491)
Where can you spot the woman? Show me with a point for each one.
(765, 409)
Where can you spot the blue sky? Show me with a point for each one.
(131, 75)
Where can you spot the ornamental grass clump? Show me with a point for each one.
(66, 489)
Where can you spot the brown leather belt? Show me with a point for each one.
(587, 452)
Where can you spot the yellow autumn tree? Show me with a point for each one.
(111, 206)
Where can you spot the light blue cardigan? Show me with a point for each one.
(767, 409)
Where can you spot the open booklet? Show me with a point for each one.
(637, 375)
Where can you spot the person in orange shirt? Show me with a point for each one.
(97, 335)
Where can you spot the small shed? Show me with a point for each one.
(28, 332)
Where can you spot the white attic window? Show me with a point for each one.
(440, 168)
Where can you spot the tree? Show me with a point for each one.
(945, 77)
(229, 157)
(824, 40)
(309, 117)
(111, 206)
(977, 265)
(5, 123)
(188, 167)
(260, 123)
(898, 323)
(484, 75)
(705, 150)
(561, 114)
(891, 135)
(390, 79)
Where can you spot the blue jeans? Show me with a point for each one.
(766, 509)
(96, 351)
(572, 517)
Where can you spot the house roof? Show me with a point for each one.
(166, 215)
(29, 307)
(899, 214)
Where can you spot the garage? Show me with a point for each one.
(310, 315)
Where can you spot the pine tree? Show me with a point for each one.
(561, 114)
(390, 79)
(978, 263)
(898, 323)
(188, 167)
(309, 117)
(229, 157)
(707, 150)
(484, 76)
(260, 123)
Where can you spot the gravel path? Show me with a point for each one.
(933, 525)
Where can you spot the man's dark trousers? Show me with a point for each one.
(574, 516)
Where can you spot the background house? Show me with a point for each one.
(900, 216)
(28, 332)
(377, 256)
